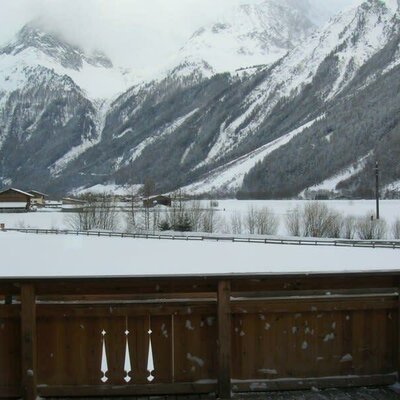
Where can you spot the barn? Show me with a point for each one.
(15, 200)
(38, 197)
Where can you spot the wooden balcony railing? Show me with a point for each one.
(191, 334)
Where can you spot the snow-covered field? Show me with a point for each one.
(389, 210)
(59, 255)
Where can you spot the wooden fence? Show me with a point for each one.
(191, 334)
(260, 239)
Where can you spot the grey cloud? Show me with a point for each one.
(134, 32)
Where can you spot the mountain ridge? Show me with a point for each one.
(189, 126)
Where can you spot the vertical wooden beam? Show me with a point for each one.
(398, 335)
(224, 340)
(28, 342)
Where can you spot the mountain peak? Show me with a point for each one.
(392, 5)
(34, 36)
(250, 34)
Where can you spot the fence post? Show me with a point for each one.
(28, 342)
(224, 340)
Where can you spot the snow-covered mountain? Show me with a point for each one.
(249, 35)
(33, 46)
(349, 40)
(320, 106)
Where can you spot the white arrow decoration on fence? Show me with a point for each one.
(104, 364)
(127, 365)
(150, 363)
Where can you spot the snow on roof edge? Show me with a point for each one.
(228, 275)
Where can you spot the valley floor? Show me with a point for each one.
(225, 210)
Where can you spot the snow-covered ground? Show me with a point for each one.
(225, 211)
(389, 209)
(59, 255)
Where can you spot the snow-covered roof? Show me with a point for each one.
(19, 191)
(78, 256)
(37, 192)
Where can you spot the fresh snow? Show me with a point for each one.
(97, 256)
(354, 56)
(392, 5)
(230, 176)
(10, 204)
(247, 35)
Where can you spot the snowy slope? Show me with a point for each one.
(331, 183)
(352, 37)
(229, 177)
(250, 34)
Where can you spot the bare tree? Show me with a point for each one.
(99, 212)
(293, 222)
(266, 222)
(195, 214)
(236, 223)
(349, 227)
(210, 220)
(251, 220)
(149, 187)
(132, 214)
(155, 220)
(334, 225)
(369, 228)
(396, 229)
(319, 221)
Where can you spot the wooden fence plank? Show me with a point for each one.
(8, 393)
(308, 383)
(224, 340)
(28, 342)
(123, 310)
(155, 389)
(314, 305)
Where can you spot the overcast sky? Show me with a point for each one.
(116, 25)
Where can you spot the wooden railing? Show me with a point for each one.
(190, 334)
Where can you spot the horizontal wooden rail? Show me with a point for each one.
(131, 390)
(309, 383)
(388, 244)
